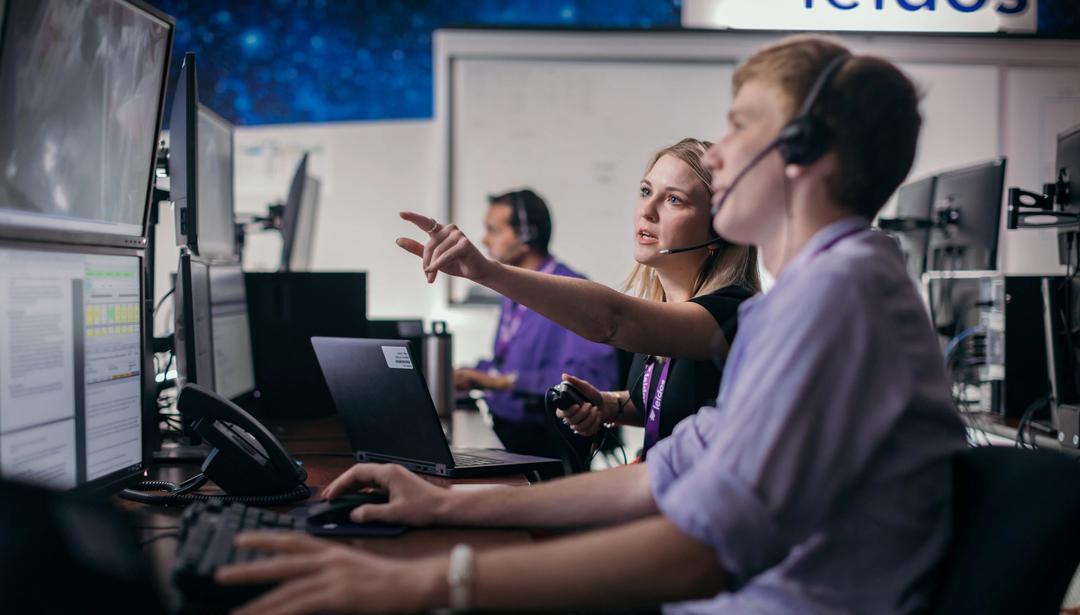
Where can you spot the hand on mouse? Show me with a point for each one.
(413, 500)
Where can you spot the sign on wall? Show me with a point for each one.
(863, 15)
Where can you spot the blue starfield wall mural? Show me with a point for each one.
(274, 61)
(284, 61)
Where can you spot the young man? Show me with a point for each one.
(531, 353)
(820, 483)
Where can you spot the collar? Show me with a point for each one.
(822, 240)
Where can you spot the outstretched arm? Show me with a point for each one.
(599, 498)
(593, 311)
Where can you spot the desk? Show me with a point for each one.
(323, 448)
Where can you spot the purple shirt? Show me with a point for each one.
(538, 353)
(822, 478)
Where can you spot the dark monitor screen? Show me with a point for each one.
(82, 84)
(213, 334)
(71, 365)
(1067, 166)
(914, 201)
(1061, 317)
(294, 205)
(215, 218)
(303, 244)
(234, 370)
(973, 195)
(194, 341)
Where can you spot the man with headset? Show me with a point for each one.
(820, 482)
(531, 353)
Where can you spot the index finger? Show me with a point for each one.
(360, 475)
(424, 223)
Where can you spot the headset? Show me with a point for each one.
(525, 230)
(802, 141)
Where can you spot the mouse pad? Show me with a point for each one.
(352, 530)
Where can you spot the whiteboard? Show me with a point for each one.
(576, 115)
(580, 133)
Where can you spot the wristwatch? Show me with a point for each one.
(459, 576)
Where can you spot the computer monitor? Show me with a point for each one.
(234, 369)
(1061, 315)
(213, 334)
(83, 84)
(1067, 168)
(73, 386)
(184, 155)
(298, 225)
(216, 218)
(967, 215)
(914, 202)
(304, 238)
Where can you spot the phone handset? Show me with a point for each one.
(246, 459)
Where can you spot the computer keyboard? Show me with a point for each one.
(206, 542)
(461, 459)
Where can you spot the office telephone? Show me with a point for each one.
(245, 459)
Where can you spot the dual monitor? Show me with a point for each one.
(84, 87)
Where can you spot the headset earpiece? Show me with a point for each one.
(806, 138)
(803, 141)
(525, 230)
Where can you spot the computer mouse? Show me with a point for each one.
(337, 510)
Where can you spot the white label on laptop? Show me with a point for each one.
(397, 357)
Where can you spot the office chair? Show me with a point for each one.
(1016, 539)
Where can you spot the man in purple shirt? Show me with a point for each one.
(820, 482)
(530, 352)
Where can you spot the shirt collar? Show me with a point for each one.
(821, 240)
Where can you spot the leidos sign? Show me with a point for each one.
(865, 15)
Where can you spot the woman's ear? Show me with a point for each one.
(794, 171)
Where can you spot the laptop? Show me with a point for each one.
(390, 417)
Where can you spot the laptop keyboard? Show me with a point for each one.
(462, 460)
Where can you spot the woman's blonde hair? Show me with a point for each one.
(727, 265)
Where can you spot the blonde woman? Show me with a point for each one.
(672, 211)
(683, 316)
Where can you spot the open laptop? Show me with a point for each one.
(390, 416)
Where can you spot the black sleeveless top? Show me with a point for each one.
(690, 384)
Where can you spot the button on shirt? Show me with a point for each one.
(822, 478)
(538, 354)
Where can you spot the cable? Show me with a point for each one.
(143, 543)
(180, 494)
(162, 300)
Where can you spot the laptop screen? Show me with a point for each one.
(381, 394)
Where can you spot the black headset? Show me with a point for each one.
(804, 140)
(525, 230)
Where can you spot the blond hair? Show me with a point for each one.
(727, 265)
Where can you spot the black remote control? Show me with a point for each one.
(564, 395)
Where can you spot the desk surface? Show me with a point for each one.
(324, 450)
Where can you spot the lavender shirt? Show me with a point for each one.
(821, 479)
(538, 354)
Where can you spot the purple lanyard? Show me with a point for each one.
(835, 240)
(512, 318)
(652, 421)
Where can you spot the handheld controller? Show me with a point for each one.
(564, 395)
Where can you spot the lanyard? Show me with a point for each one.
(652, 422)
(512, 318)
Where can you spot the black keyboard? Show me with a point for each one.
(206, 542)
(461, 459)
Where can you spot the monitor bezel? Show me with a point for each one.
(124, 477)
(93, 238)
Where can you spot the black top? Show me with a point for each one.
(690, 384)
